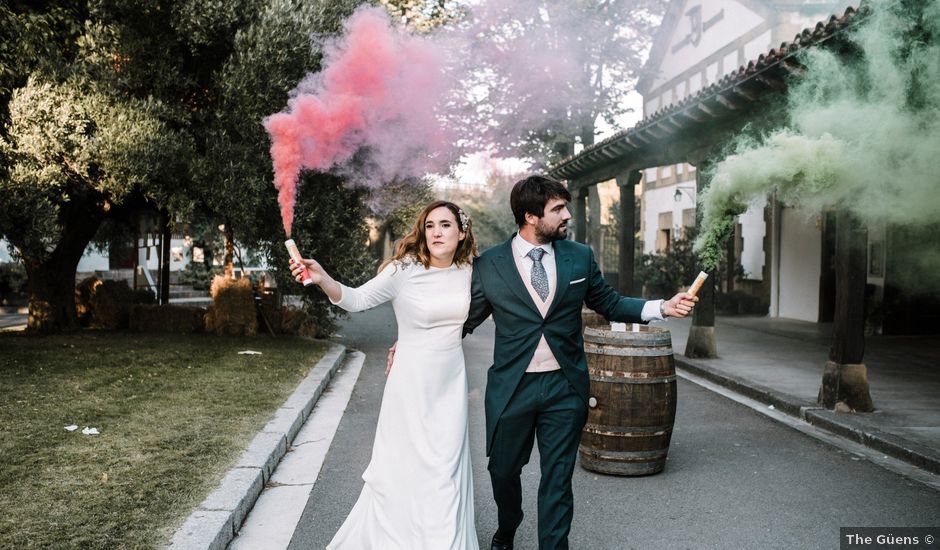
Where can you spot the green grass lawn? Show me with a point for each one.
(174, 412)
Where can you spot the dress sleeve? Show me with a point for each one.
(380, 289)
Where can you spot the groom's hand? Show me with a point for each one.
(680, 305)
(390, 358)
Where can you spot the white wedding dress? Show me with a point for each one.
(418, 491)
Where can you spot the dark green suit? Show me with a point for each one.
(552, 405)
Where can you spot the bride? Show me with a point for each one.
(418, 491)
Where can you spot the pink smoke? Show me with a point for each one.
(377, 93)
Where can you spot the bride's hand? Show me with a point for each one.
(390, 358)
(314, 269)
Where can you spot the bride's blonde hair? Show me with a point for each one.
(415, 245)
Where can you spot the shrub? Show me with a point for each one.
(167, 318)
(198, 275)
(663, 274)
(143, 296)
(233, 307)
(111, 303)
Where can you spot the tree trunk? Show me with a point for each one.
(229, 252)
(51, 299)
(165, 238)
(51, 280)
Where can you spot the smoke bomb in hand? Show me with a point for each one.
(295, 255)
(697, 284)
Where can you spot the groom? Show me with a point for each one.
(534, 285)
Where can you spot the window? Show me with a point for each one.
(664, 234)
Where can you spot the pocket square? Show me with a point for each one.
(582, 279)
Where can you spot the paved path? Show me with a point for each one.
(735, 478)
(780, 362)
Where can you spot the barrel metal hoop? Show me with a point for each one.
(611, 376)
(626, 456)
(650, 337)
(627, 351)
(627, 431)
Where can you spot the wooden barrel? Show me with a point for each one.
(633, 401)
(590, 318)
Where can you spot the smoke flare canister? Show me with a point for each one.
(295, 255)
(699, 281)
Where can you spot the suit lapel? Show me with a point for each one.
(562, 277)
(507, 270)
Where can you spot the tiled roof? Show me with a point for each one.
(723, 100)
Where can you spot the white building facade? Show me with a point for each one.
(699, 42)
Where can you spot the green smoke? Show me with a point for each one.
(863, 133)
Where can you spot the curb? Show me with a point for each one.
(839, 424)
(913, 453)
(781, 401)
(213, 524)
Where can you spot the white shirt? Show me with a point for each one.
(544, 360)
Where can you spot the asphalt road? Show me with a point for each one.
(734, 478)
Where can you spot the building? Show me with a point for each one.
(699, 43)
(822, 265)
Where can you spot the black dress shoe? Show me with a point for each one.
(502, 540)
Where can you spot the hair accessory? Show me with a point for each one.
(464, 219)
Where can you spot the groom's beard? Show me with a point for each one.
(546, 234)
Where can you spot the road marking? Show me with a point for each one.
(274, 517)
(860, 451)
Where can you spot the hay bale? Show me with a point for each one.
(233, 307)
(111, 303)
(296, 321)
(84, 291)
(167, 318)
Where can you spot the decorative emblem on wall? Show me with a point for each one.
(697, 27)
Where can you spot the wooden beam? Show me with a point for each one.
(691, 114)
(745, 93)
(848, 328)
(627, 231)
(792, 67)
(701, 341)
(707, 110)
(845, 377)
(675, 123)
(727, 102)
(657, 132)
(580, 214)
(771, 82)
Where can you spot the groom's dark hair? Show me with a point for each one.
(529, 196)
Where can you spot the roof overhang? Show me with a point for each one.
(676, 133)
